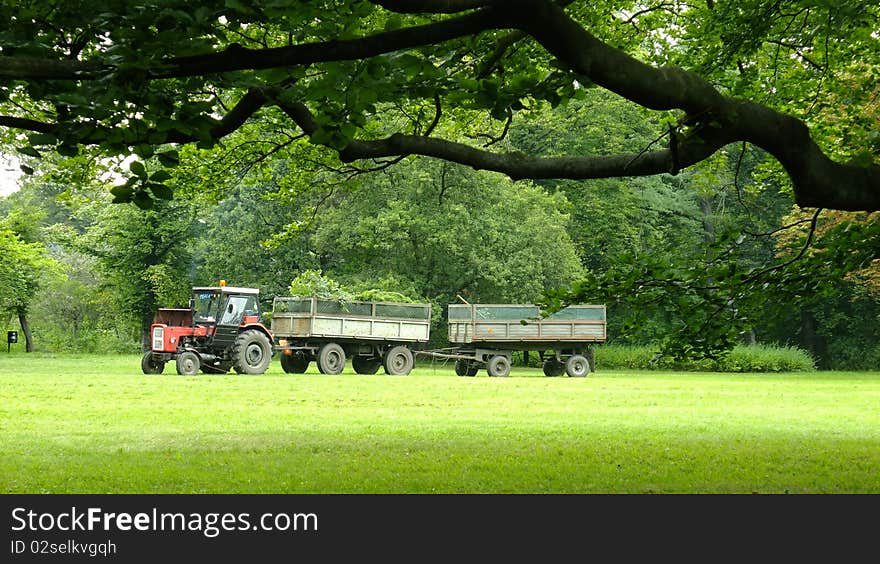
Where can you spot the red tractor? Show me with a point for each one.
(220, 330)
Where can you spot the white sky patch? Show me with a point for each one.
(10, 175)
(117, 169)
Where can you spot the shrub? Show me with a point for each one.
(752, 358)
(767, 358)
(633, 357)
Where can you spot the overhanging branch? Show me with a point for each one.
(516, 165)
(431, 6)
(714, 120)
(240, 58)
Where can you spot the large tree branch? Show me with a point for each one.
(712, 119)
(515, 165)
(26, 124)
(32, 68)
(236, 57)
(431, 6)
(240, 58)
(818, 181)
(716, 119)
(246, 107)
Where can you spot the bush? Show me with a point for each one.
(633, 357)
(753, 358)
(767, 358)
(48, 338)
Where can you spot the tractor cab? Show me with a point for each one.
(220, 330)
(225, 306)
(220, 312)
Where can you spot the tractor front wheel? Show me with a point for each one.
(251, 352)
(152, 365)
(188, 363)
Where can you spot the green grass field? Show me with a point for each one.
(97, 425)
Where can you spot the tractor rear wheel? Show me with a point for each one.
(188, 363)
(251, 352)
(152, 365)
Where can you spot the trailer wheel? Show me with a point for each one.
(553, 367)
(188, 363)
(577, 366)
(498, 366)
(294, 363)
(331, 359)
(251, 352)
(365, 364)
(399, 361)
(151, 364)
(465, 368)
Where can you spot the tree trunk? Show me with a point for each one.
(813, 342)
(146, 322)
(26, 329)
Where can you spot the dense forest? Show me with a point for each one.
(699, 231)
(434, 230)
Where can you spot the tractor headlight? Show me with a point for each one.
(158, 338)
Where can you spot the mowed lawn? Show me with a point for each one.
(94, 424)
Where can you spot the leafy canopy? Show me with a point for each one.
(371, 80)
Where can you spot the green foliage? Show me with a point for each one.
(742, 358)
(22, 268)
(238, 220)
(376, 295)
(143, 254)
(313, 283)
(73, 311)
(136, 80)
(767, 358)
(729, 274)
(443, 230)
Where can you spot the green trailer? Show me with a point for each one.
(486, 335)
(371, 334)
